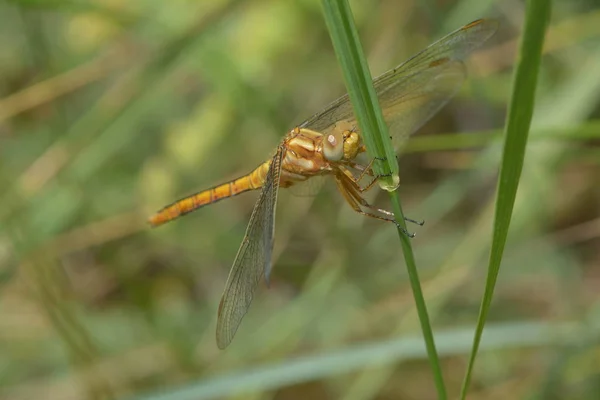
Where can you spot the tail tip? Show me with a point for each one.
(154, 221)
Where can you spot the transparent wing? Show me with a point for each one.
(253, 258)
(307, 188)
(410, 104)
(414, 91)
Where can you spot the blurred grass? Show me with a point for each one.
(98, 307)
(518, 120)
(456, 342)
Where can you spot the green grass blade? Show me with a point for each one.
(344, 36)
(357, 76)
(517, 129)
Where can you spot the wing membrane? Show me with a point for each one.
(414, 91)
(307, 188)
(253, 258)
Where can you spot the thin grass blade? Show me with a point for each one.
(340, 23)
(518, 122)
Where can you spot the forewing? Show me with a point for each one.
(253, 258)
(411, 103)
(412, 92)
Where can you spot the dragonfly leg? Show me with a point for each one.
(368, 170)
(348, 190)
(357, 190)
(368, 186)
(356, 180)
(364, 203)
(359, 167)
(414, 221)
(364, 171)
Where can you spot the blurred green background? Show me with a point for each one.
(110, 109)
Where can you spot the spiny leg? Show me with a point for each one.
(348, 193)
(368, 170)
(357, 190)
(363, 171)
(358, 198)
(414, 221)
(364, 203)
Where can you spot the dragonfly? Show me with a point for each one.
(329, 144)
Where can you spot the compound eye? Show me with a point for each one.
(333, 146)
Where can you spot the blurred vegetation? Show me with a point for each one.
(110, 109)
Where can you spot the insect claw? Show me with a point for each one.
(420, 223)
(407, 233)
(404, 231)
(380, 158)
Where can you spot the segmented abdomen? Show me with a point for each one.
(252, 181)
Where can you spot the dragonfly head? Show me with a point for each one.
(342, 143)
